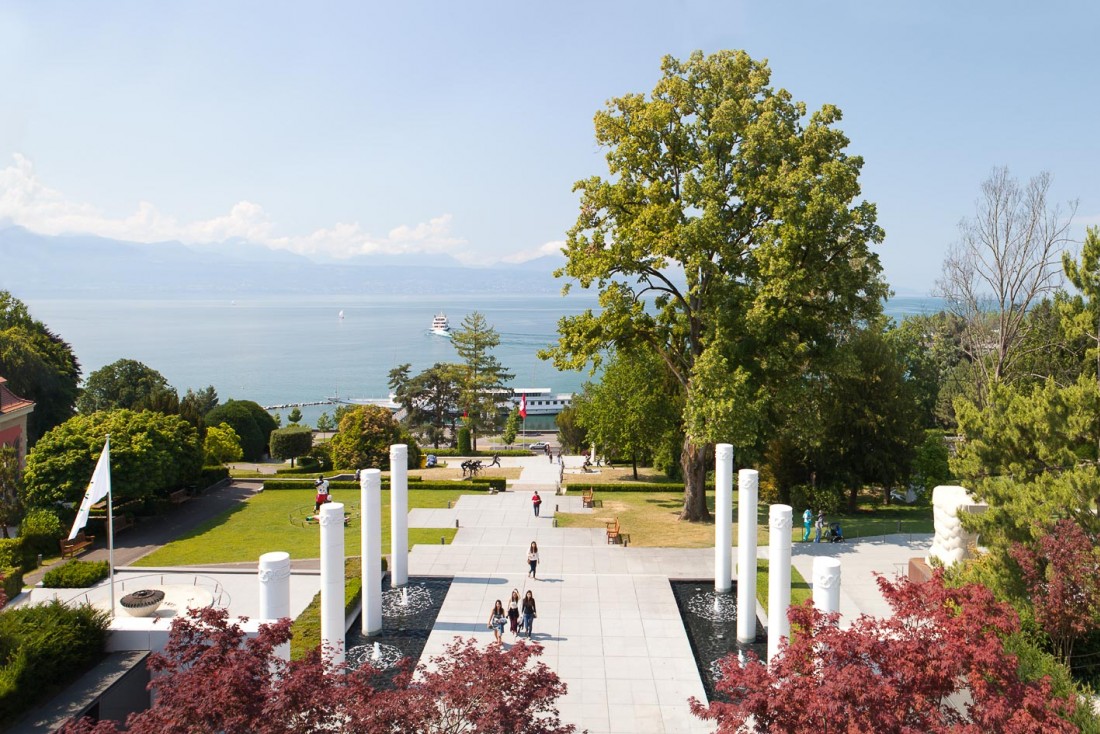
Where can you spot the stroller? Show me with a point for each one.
(834, 534)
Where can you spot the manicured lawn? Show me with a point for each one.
(271, 521)
(650, 519)
(800, 589)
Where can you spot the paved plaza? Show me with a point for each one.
(607, 619)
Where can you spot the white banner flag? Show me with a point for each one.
(98, 488)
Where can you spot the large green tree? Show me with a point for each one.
(38, 365)
(151, 453)
(482, 377)
(127, 384)
(221, 445)
(727, 239)
(364, 438)
(252, 423)
(429, 399)
(631, 411)
(291, 442)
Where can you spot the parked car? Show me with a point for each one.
(538, 446)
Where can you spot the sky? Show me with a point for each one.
(433, 127)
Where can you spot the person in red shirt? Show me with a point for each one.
(536, 501)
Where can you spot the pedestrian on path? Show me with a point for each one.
(513, 613)
(549, 454)
(807, 521)
(536, 501)
(559, 454)
(496, 460)
(819, 526)
(496, 620)
(529, 613)
(533, 560)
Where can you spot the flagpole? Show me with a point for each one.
(110, 527)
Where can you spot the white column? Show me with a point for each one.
(748, 483)
(826, 585)
(399, 515)
(332, 582)
(723, 517)
(274, 577)
(779, 575)
(370, 534)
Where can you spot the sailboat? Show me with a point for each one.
(341, 314)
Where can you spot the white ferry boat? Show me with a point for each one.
(440, 326)
(540, 400)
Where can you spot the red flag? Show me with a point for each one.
(522, 406)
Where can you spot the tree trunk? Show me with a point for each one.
(853, 497)
(634, 462)
(693, 460)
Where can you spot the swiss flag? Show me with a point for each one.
(522, 406)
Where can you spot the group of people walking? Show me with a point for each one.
(821, 529)
(520, 614)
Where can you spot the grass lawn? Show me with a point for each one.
(800, 589)
(650, 518)
(607, 474)
(263, 524)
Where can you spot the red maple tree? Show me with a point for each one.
(1062, 574)
(937, 665)
(213, 677)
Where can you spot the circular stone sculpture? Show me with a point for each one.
(951, 540)
(142, 603)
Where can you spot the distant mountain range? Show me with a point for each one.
(45, 266)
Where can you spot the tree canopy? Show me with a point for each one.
(291, 442)
(429, 399)
(364, 437)
(727, 239)
(482, 377)
(127, 384)
(252, 423)
(221, 445)
(38, 366)
(151, 453)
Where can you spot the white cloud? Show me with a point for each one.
(550, 248)
(28, 202)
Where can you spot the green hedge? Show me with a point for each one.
(11, 552)
(211, 475)
(76, 575)
(13, 581)
(479, 483)
(40, 531)
(632, 487)
(46, 647)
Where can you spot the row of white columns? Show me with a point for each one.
(274, 571)
(826, 573)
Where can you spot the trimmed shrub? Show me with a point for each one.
(481, 483)
(464, 441)
(241, 417)
(40, 530)
(44, 648)
(76, 575)
(11, 552)
(211, 475)
(12, 581)
(633, 487)
(291, 442)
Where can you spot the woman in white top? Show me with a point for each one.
(533, 559)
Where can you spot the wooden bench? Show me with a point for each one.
(179, 496)
(122, 522)
(613, 532)
(69, 548)
(586, 498)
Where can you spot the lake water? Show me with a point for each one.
(284, 350)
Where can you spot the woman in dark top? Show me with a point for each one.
(513, 613)
(529, 613)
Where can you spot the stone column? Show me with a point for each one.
(399, 515)
(779, 576)
(952, 542)
(274, 579)
(370, 535)
(723, 517)
(827, 585)
(332, 582)
(748, 483)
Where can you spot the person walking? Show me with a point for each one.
(549, 454)
(819, 526)
(513, 613)
(559, 454)
(536, 501)
(807, 522)
(322, 493)
(533, 559)
(496, 620)
(529, 613)
(496, 460)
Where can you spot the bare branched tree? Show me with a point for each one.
(1006, 260)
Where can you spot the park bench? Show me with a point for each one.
(122, 522)
(70, 548)
(179, 496)
(586, 498)
(613, 535)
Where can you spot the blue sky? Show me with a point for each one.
(459, 128)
